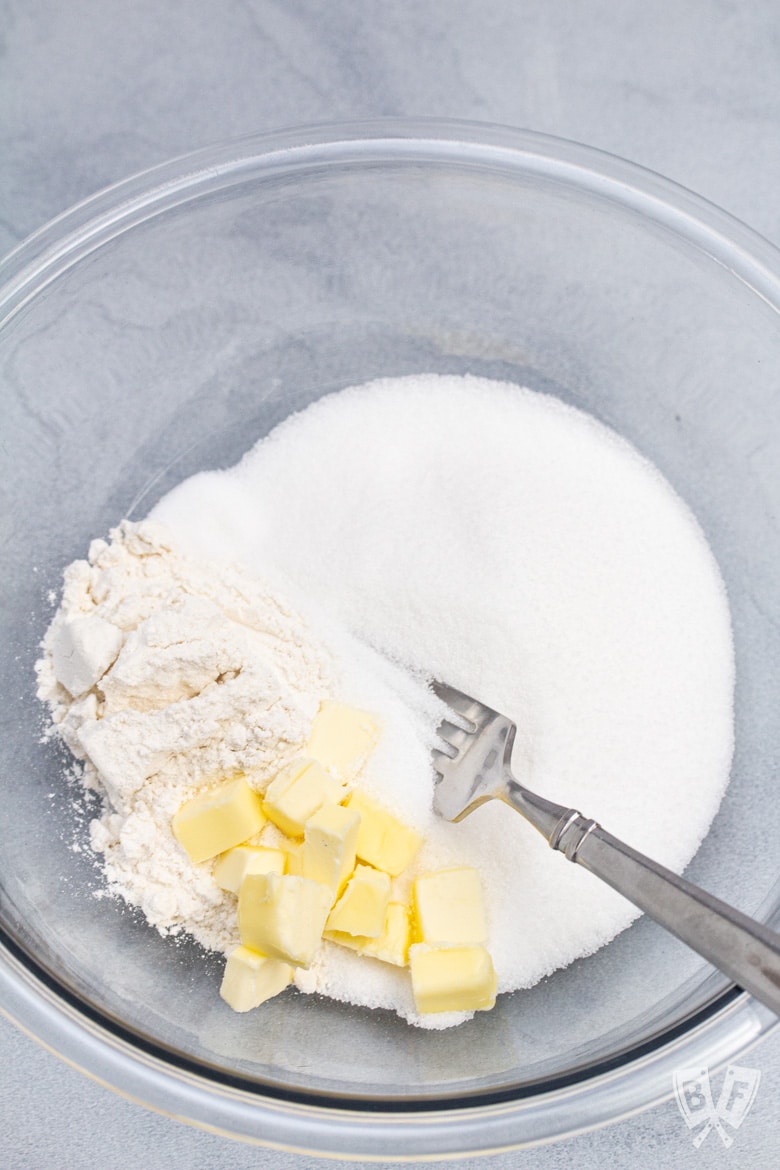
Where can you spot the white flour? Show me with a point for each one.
(465, 529)
(213, 676)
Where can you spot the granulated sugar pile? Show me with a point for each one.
(466, 530)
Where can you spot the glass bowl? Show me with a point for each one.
(161, 328)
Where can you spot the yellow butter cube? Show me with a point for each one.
(293, 851)
(233, 866)
(452, 979)
(448, 907)
(383, 841)
(283, 916)
(362, 907)
(296, 793)
(218, 819)
(391, 946)
(291, 847)
(341, 739)
(251, 978)
(329, 842)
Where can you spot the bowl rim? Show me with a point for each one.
(732, 1022)
(88, 224)
(32, 1002)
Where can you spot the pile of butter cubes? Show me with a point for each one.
(330, 876)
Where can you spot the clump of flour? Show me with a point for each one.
(213, 676)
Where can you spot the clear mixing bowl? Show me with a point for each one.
(161, 328)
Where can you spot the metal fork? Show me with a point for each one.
(474, 766)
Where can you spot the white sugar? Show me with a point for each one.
(514, 547)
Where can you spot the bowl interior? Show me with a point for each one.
(174, 341)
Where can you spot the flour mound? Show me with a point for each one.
(214, 675)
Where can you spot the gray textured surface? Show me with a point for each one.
(93, 90)
(55, 1117)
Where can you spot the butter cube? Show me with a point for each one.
(362, 908)
(341, 739)
(283, 916)
(293, 851)
(233, 866)
(391, 946)
(297, 792)
(329, 842)
(251, 978)
(218, 819)
(452, 979)
(448, 907)
(382, 840)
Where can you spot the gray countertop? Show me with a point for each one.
(93, 90)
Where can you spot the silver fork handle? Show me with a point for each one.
(745, 950)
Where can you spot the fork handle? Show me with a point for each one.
(745, 950)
